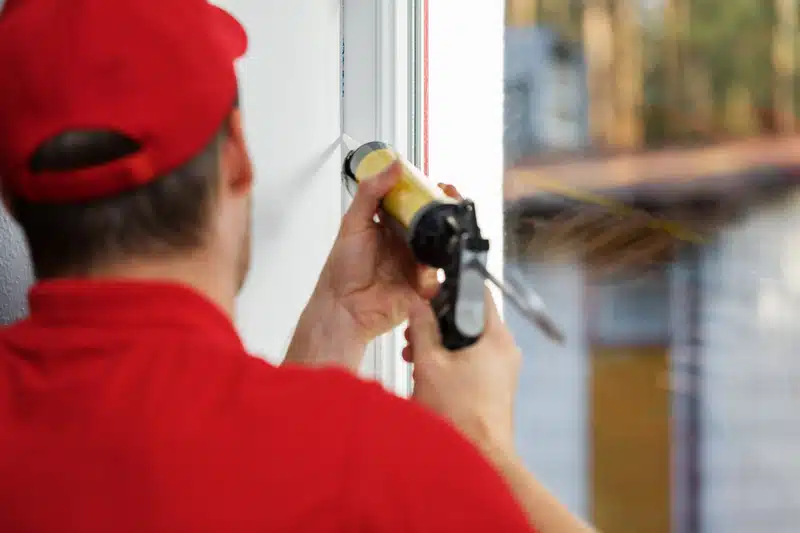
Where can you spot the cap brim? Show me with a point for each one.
(230, 32)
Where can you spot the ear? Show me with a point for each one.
(237, 169)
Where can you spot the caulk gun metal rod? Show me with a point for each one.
(537, 314)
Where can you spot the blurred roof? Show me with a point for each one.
(661, 176)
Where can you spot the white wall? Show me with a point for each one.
(290, 83)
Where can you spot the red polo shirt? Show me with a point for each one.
(133, 407)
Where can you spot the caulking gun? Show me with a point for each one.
(443, 233)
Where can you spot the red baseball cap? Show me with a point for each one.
(158, 71)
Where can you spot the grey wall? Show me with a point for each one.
(552, 405)
(751, 375)
(749, 385)
(15, 271)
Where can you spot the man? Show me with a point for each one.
(127, 401)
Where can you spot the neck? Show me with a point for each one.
(198, 271)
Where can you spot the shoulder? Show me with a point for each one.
(374, 423)
(392, 457)
(404, 435)
(417, 468)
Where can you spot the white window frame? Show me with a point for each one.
(384, 93)
(378, 103)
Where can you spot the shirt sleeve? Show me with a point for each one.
(414, 472)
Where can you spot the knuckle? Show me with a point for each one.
(429, 360)
(369, 187)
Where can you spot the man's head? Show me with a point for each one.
(124, 146)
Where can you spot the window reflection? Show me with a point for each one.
(651, 171)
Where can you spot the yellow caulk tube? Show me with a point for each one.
(442, 233)
(413, 192)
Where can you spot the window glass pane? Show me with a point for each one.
(652, 157)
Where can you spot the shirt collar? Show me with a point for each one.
(130, 304)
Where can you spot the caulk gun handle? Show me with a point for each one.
(444, 307)
(455, 341)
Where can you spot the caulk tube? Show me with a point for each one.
(419, 209)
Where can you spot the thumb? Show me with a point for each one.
(493, 319)
(423, 328)
(368, 198)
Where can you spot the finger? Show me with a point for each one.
(427, 281)
(451, 191)
(492, 315)
(424, 331)
(401, 255)
(360, 215)
(408, 354)
(414, 381)
(423, 279)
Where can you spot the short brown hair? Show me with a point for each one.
(169, 215)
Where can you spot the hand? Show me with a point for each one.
(366, 287)
(473, 387)
(371, 271)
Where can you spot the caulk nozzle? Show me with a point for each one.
(349, 143)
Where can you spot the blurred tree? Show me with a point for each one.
(599, 51)
(711, 68)
(784, 63)
(564, 16)
(558, 14)
(699, 119)
(521, 12)
(739, 113)
(629, 75)
(733, 39)
(675, 29)
(675, 71)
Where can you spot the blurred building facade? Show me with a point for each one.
(545, 93)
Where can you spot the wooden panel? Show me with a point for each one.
(630, 450)
(713, 169)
